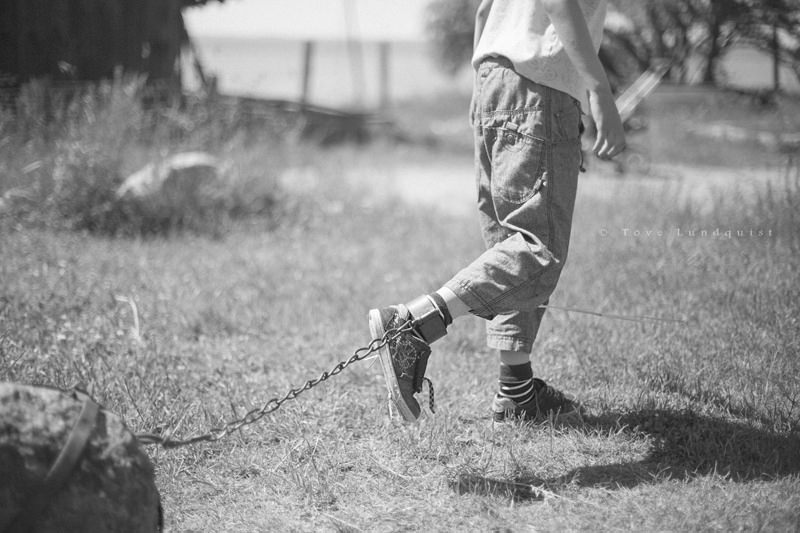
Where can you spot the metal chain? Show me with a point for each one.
(273, 404)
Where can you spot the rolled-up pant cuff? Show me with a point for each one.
(508, 343)
(477, 306)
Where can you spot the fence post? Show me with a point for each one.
(308, 57)
(383, 83)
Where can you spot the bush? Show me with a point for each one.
(65, 151)
(450, 27)
(85, 179)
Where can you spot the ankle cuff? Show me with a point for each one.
(439, 302)
(428, 321)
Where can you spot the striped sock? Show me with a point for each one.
(516, 382)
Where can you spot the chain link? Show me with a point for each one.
(273, 404)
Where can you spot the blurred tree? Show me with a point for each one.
(450, 26)
(678, 30)
(718, 20)
(640, 34)
(774, 26)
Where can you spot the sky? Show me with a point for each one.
(304, 19)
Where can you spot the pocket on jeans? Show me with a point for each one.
(518, 169)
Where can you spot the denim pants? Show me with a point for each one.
(527, 158)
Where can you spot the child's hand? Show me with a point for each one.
(610, 134)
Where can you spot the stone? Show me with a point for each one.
(112, 485)
(179, 183)
(182, 171)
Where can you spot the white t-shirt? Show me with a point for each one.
(521, 31)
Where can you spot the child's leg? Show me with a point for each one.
(527, 159)
(454, 304)
(514, 358)
(528, 155)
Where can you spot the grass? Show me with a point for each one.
(693, 426)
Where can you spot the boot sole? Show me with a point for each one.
(389, 376)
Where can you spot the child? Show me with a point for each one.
(536, 69)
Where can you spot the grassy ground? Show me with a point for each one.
(691, 426)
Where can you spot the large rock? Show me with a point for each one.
(182, 173)
(186, 182)
(110, 488)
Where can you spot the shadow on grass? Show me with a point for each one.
(686, 445)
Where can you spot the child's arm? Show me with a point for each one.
(567, 19)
